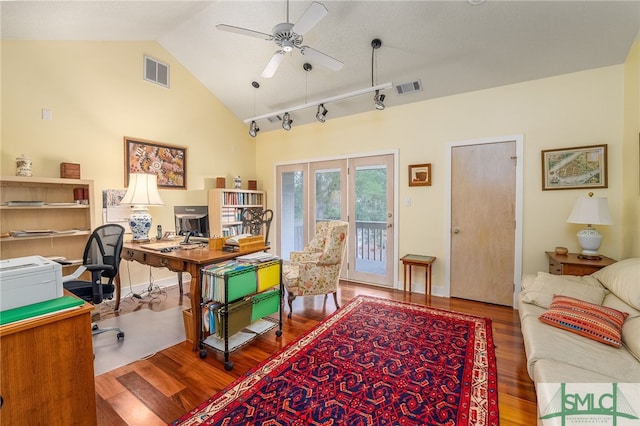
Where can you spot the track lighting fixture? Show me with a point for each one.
(253, 129)
(286, 121)
(378, 100)
(321, 115)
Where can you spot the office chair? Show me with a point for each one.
(102, 259)
(253, 218)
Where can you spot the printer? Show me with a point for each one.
(28, 280)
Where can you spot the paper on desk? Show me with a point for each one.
(76, 274)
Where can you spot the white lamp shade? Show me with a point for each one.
(591, 211)
(142, 190)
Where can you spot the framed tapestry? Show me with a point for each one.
(168, 162)
(574, 168)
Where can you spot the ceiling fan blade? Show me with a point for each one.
(321, 58)
(273, 64)
(244, 31)
(314, 13)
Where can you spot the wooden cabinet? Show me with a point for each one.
(225, 209)
(45, 205)
(46, 374)
(571, 264)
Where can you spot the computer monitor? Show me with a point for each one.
(194, 219)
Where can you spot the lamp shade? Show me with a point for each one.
(142, 190)
(591, 211)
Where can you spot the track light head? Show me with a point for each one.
(253, 129)
(321, 115)
(378, 100)
(286, 121)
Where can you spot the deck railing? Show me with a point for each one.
(371, 240)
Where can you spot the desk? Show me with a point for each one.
(411, 260)
(191, 261)
(47, 370)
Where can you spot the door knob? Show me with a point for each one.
(456, 230)
(389, 225)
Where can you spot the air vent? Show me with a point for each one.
(274, 119)
(156, 72)
(411, 87)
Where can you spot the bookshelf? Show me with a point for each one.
(44, 207)
(225, 209)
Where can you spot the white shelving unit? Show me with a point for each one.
(225, 209)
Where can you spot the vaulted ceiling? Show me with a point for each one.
(451, 47)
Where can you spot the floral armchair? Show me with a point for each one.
(316, 270)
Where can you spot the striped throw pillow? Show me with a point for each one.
(596, 322)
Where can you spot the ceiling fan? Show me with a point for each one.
(289, 36)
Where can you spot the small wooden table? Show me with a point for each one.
(410, 260)
(572, 264)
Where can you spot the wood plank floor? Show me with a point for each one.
(160, 389)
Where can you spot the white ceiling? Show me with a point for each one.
(451, 46)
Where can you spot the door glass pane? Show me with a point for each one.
(328, 195)
(371, 219)
(291, 219)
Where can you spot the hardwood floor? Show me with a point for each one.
(162, 388)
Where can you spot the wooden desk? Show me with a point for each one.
(411, 260)
(571, 264)
(191, 261)
(47, 370)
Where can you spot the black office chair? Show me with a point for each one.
(102, 259)
(254, 218)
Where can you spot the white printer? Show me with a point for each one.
(28, 280)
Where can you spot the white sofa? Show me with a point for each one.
(555, 355)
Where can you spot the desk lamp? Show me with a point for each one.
(142, 192)
(590, 211)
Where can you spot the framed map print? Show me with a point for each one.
(574, 168)
(166, 161)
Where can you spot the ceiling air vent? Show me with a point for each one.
(156, 72)
(411, 87)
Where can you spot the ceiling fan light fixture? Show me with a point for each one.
(286, 121)
(321, 115)
(287, 46)
(253, 129)
(378, 100)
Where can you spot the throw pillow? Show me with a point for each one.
(595, 322)
(541, 291)
(621, 278)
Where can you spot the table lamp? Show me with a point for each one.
(142, 192)
(590, 211)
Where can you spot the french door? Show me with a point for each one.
(357, 190)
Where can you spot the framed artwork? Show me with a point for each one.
(420, 175)
(168, 162)
(574, 168)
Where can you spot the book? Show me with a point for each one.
(39, 309)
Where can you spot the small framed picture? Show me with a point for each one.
(166, 161)
(574, 168)
(420, 175)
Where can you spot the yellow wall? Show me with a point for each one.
(97, 95)
(578, 109)
(631, 154)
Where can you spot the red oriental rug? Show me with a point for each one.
(373, 362)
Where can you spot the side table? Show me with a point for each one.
(410, 260)
(571, 264)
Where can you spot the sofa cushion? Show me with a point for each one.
(540, 292)
(595, 322)
(621, 278)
